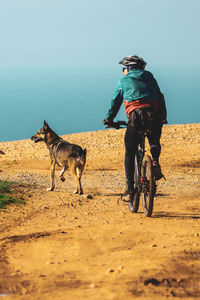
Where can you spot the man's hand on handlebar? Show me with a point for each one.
(108, 123)
(116, 125)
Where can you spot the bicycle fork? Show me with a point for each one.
(141, 184)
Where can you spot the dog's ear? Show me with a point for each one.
(46, 126)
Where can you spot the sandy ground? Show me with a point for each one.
(65, 246)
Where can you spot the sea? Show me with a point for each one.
(75, 100)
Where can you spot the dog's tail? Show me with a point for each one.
(1, 152)
(83, 157)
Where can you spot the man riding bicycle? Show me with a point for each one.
(146, 110)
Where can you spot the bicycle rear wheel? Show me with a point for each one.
(134, 205)
(147, 180)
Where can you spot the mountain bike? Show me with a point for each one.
(144, 180)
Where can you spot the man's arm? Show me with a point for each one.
(163, 107)
(115, 103)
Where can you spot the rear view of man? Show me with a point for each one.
(145, 106)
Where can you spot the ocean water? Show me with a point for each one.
(76, 100)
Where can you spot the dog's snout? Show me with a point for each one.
(36, 138)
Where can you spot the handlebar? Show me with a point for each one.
(123, 124)
(118, 124)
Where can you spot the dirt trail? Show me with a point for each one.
(65, 246)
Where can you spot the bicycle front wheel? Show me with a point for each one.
(147, 181)
(134, 205)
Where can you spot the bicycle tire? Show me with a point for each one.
(147, 186)
(134, 205)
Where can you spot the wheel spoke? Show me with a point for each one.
(147, 186)
(134, 205)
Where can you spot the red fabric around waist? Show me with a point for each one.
(130, 106)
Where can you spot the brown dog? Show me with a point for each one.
(63, 154)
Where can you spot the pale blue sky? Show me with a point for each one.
(39, 37)
(94, 33)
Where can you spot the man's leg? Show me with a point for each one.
(154, 142)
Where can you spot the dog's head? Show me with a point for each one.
(40, 136)
(1, 152)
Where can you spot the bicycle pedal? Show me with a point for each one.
(119, 199)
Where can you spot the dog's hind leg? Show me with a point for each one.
(77, 175)
(61, 177)
(52, 175)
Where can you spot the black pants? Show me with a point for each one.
(140, 119)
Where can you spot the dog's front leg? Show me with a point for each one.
(52, 175)
(61, 177)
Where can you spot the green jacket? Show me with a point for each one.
(138, 88)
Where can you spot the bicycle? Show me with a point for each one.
(144, 180)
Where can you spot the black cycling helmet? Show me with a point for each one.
(133, 61)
